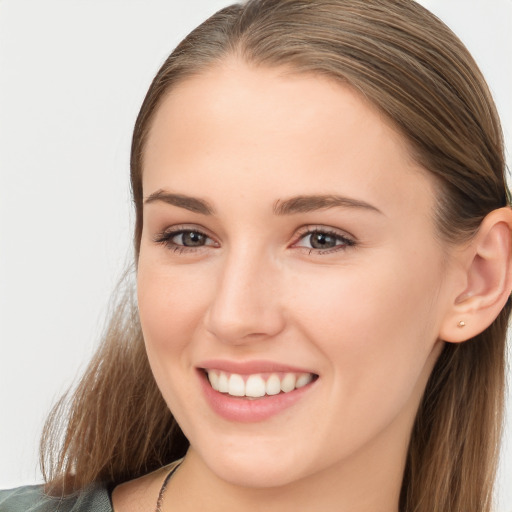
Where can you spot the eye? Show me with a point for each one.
(323, 241)
(181, 239)
(189, 239)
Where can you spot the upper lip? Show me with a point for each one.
(250, 367)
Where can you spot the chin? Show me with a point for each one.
(250, 474)
(255, 467)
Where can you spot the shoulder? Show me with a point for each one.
(32, 498)
(142, 493)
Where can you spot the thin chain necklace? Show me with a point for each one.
(160, 499)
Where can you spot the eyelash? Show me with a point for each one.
(165, 238)
(344, 241)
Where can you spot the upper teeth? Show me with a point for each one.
(257, 385)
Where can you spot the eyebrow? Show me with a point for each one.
(298, 204)
(304, 204)
(189, 203)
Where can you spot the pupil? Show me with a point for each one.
(192, 239)
(322, 241)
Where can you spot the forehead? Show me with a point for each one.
(302, 133)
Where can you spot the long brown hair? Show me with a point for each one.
(418, 73)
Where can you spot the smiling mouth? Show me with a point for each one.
(257, 385)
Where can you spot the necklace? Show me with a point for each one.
(160, 499)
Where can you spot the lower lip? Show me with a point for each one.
(246, 410)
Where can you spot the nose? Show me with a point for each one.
(246, 304)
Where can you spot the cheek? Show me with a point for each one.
(171, 306)
(375, 328)
(171, 302)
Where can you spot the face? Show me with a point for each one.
(289, 256)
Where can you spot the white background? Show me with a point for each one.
(72, 76)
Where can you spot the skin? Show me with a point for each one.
(365, 317)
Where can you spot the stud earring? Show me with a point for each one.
(461, 324)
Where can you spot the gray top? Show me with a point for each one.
(94, 498)
(31, 498)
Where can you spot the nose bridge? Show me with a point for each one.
(246, 303)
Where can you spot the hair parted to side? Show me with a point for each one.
(417, 72)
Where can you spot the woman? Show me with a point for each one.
(322, 245)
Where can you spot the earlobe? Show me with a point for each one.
(486, 263)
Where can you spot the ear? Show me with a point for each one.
(486, 280)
